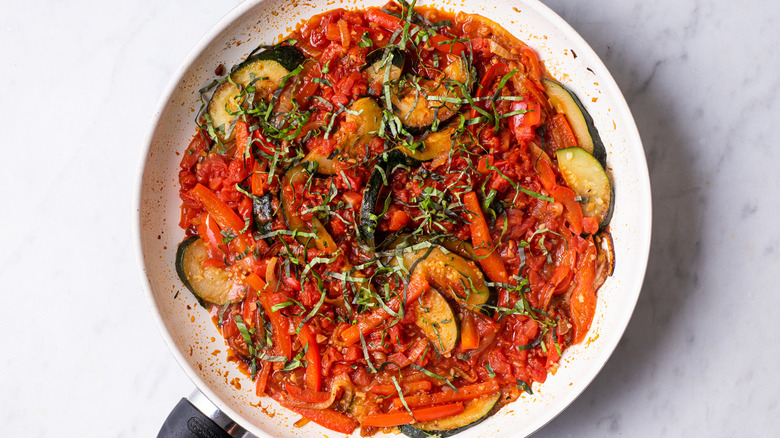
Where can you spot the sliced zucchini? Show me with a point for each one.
(451, 274)
(435, 145)
(368, 120)
(372, 194)
(437, 321)
(476, 411)
(566, 102)
(209, 284)
(264, 71)
(584, 174)
(368, 208)
(421, 101)
(322, 240)
(380, 71)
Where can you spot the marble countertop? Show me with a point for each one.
(84, 358)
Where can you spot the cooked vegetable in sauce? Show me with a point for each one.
(397, 219)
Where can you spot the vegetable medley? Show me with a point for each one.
(396, 217)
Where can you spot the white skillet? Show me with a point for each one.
(227, 395)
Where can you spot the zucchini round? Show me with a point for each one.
(265, 71)
(368, 121)
(583, 174)
(436, 145)
(368, 206)
(209, 284)
(566, 102)
(437, 321)
(323, 240)
(450, 273)
(380, 71)
(422, 101)
(372, 193)
(476, 411)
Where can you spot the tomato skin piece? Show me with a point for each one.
(573, 211)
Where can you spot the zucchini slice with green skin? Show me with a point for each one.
(296, 174)
(377, 70)
(451, 274)
(566, 102)
(437, 321)
(372, 199)
(422, 101)
(475, 412)
(368, 206)
(264, 71)
(583, 174)
(436, 145)
(367, 121)
(210, 284)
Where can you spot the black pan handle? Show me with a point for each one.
(197, 417)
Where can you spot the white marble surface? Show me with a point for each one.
(81, 355)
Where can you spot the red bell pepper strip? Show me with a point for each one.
(546, 174)
(249, 309)
(573, 211)
(417, 286)
(590, 224)
(262, 378)
(421, 415)
(217, 208)
(376, 15)
(524, 125)
(445, 44)
(483, 245)
(531, 62)
(209, 232)
(328, 418)
(406, 387)
(313, 377)
(439, 42)
(549, 288)
(469, 336)
(306, 395)
(464, 393)
(279, 323)
(582, 306)
(497, 70)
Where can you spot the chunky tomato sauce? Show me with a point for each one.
(392, 232)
